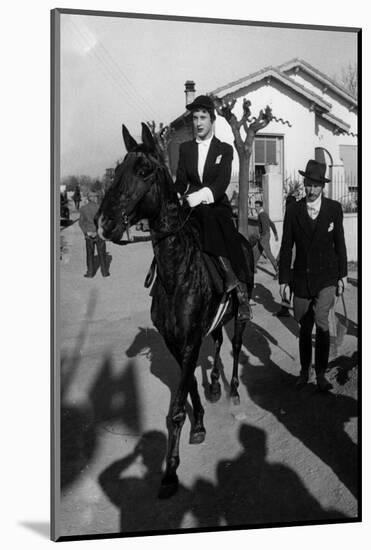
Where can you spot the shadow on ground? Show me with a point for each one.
(316, 419)
(111, 402)
(249, 491)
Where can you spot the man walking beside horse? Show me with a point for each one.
(315, 226)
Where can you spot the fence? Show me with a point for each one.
(255, 194)
(343, 188)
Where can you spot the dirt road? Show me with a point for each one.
(282, 455)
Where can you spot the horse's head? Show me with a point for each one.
(132, 195)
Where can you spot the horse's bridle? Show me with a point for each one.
(150, 180)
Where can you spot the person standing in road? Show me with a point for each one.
(77, 197)
(263, 244)
(92, 239)
(286, 302)
(315, 226)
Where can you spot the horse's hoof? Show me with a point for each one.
(215, 393)
(195, 438)
(168, 489)
(235, 399)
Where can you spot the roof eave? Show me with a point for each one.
(273, 73)
(318, 76)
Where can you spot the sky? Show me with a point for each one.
(118, 70)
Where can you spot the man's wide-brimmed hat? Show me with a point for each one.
(201, 102)
(315, 171)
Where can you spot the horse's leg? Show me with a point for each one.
(239, 327)
(198, 431)
(169, 484)
(215, 391)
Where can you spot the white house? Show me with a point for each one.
(314, 118)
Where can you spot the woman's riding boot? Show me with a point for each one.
(230, 283)
(321, 355)
(229, 276)
(244, 308)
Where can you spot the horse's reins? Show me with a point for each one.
(151, 178)
(174, 231)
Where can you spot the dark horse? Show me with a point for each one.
(185, 301)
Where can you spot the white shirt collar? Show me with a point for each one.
(204, 141)
(314, 207)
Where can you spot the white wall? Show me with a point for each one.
(340, 107)
(298, 139)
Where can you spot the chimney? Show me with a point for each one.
(189, 91)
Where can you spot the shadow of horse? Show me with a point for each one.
(316, 419)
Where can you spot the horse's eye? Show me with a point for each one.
(143, 172)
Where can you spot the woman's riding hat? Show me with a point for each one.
(202, 102)
(315, 171)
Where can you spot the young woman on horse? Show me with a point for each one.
(203, 175)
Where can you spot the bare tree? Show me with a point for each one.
(250, 125)
(163, 136)
(348, 78)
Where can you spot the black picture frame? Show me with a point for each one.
(78, 422)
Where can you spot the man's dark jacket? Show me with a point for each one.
(214, 222)
(320, 252)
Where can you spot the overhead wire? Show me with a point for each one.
(112, 69)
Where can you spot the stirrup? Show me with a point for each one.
(151, 274)
(244, 312)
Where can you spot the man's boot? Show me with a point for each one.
(305, 352)
(321, 358)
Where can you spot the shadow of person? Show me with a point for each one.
(136, 495)
(316, 419)
(78, 437)
(115, 398)
(264, 296)
(252, 490)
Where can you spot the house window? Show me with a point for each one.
(267, 150)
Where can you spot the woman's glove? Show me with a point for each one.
(203, 196)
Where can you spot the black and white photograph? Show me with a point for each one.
(206, 197)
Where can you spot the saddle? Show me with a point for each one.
(213, 266)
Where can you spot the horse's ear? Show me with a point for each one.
(147, 138)
(130, 142)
